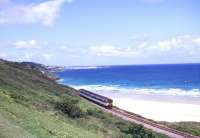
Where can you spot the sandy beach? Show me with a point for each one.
(158, 107)
(161, 111)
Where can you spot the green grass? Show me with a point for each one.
(41, 124)
(188, 127)
(29, 109)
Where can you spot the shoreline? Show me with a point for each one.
(176, 107)
(157, 107)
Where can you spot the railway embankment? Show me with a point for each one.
(134, 118)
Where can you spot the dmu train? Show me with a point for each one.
(96, 98)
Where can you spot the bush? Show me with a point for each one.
(69, 106)
(96, 113)
(138, 131)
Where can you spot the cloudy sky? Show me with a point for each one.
(100, 32)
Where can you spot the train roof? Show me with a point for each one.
(102, 97)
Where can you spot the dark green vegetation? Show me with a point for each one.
(33, 106)
(42, 68)
(188, 127)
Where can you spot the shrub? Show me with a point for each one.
(96, 113)
(138, 131)
(69, 106)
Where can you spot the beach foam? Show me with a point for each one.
(143, 91)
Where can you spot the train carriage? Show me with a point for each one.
(96, 98)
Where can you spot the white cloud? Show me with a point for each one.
(30, 44)
(178, 49)
(180, 46)
(197, 40)
(45, 12)
(187, 45)
(105, 50)
(109, 50)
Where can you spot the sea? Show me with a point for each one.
(164, 79)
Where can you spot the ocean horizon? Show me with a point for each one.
(164, 79)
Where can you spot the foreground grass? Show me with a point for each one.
(33, 106)
(31, 122)
(188, 127)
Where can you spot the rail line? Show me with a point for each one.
(156, 127)
(102, 102)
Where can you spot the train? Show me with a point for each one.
(96, 98)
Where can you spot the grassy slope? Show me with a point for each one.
(189, 127)
(27, 109)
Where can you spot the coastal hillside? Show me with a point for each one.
(46, 70)
(32, 105)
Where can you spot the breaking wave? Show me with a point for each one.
(145, 91)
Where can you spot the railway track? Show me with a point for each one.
(103, 102)
(156, 127)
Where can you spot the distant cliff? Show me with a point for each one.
(49, 71)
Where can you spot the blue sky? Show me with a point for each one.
(100, 32)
